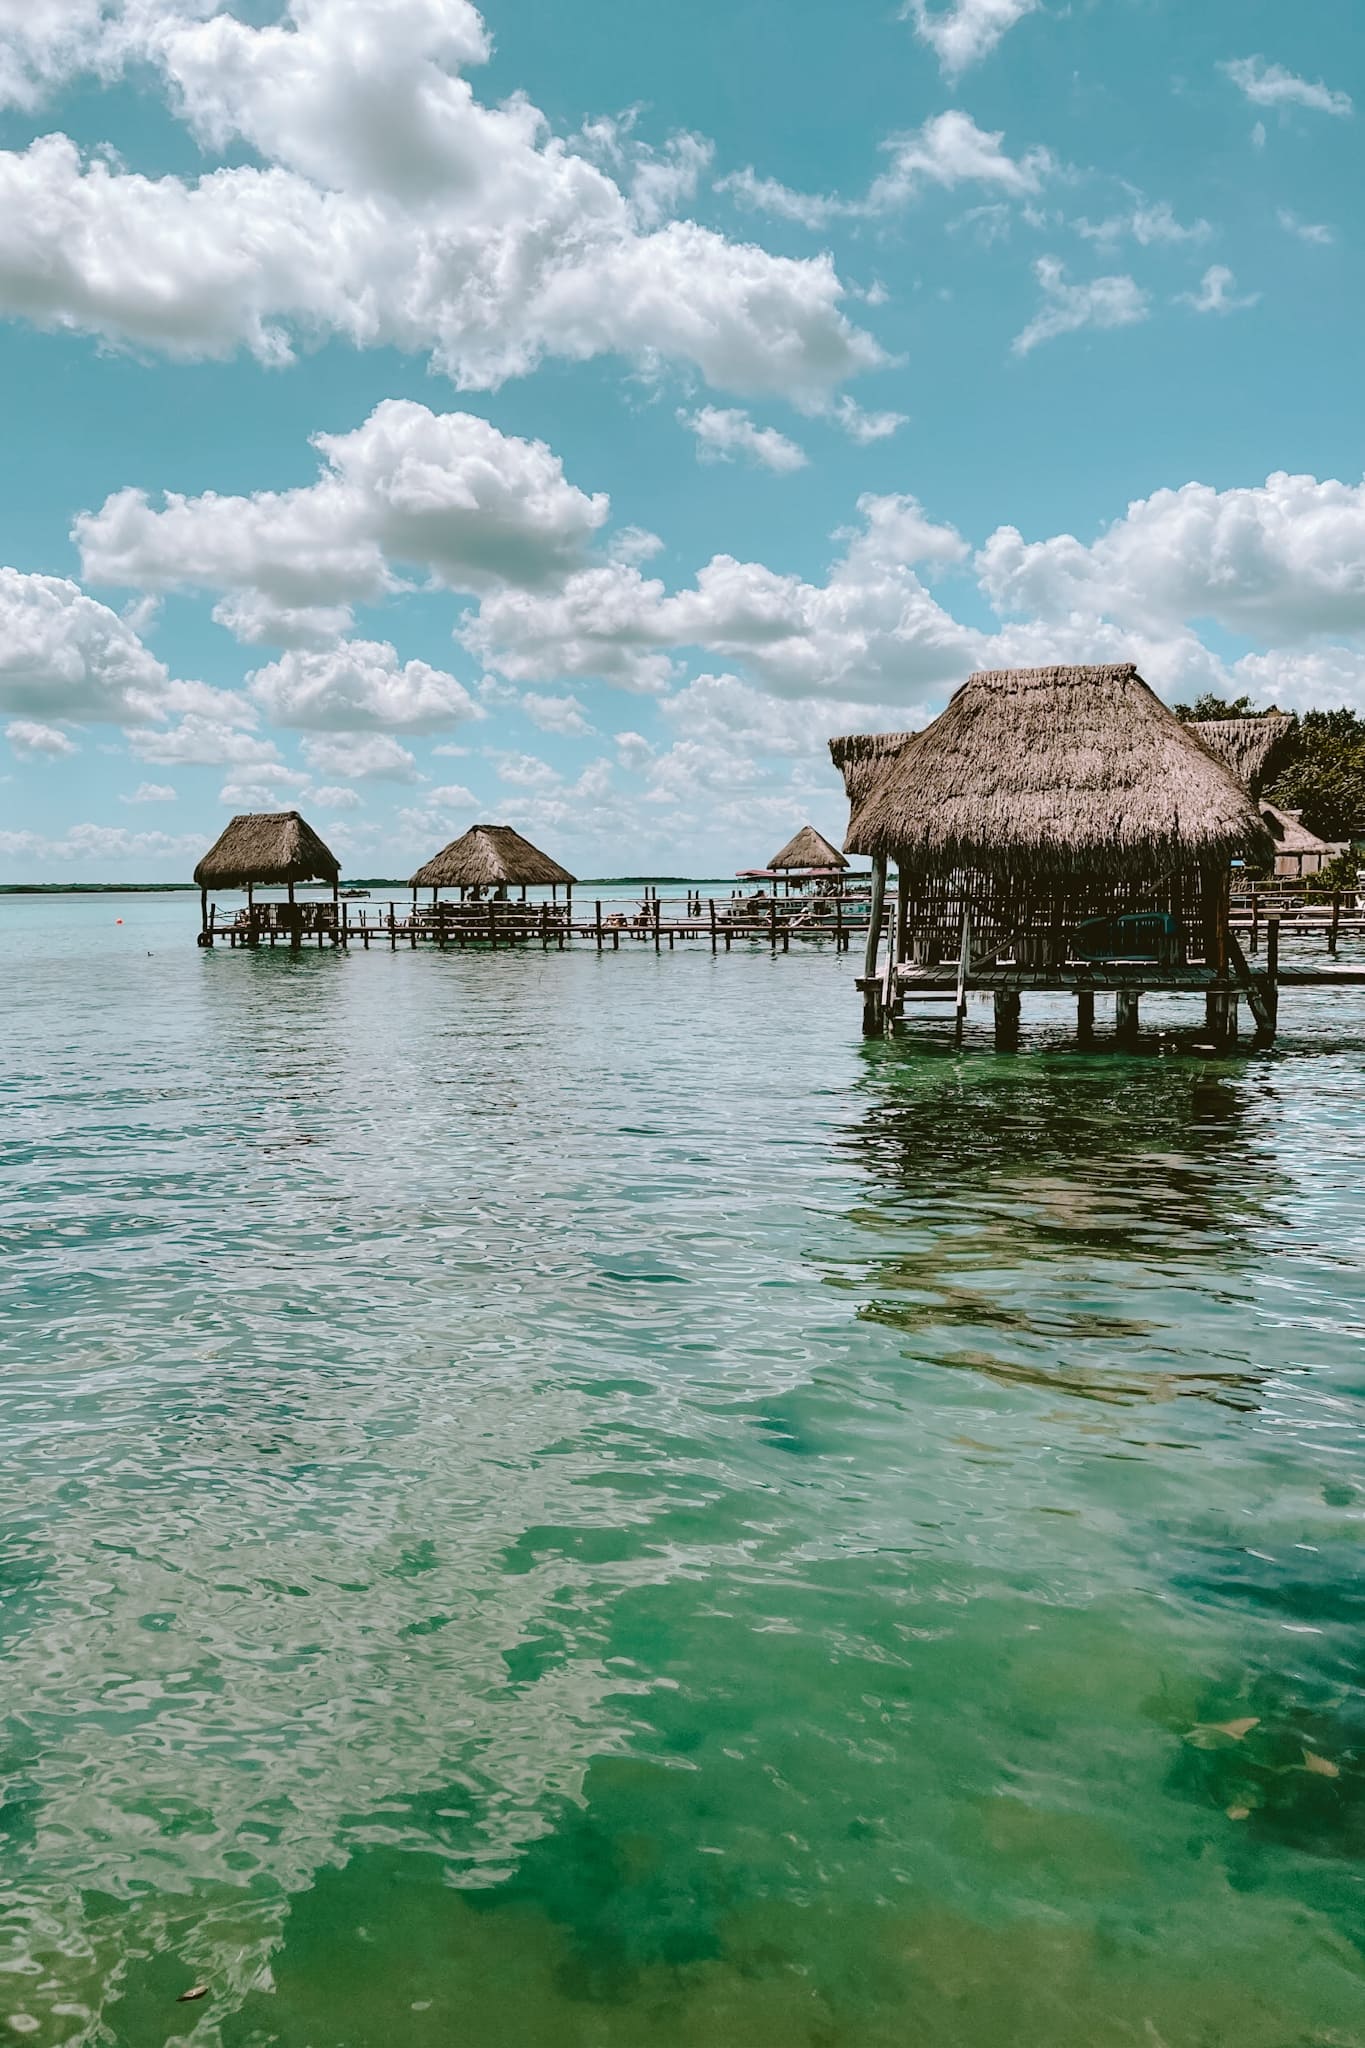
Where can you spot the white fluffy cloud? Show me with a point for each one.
(1270, 85)
(1217, 293)
(1066, 308)
(202, 742)
(871, 632)
(556, 714)
(391, 209)
(151, 793)
(723, 433)
(1149, 223)
(965, 31)
(360, 757)
(442, 492)
(359, 686)
(31, 741)
(1283, 561)
(948, 150)
(63, 655)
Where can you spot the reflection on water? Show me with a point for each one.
(568, 1500)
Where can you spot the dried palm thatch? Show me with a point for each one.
(808, 849)
(1254, 749)
(1056, 771)
(267, 847)
(860, 758)
(1291, 835)
(487, 856)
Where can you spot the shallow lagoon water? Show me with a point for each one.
(568, 1500)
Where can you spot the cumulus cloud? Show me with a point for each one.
(866, 427)
(101, 844)
(948, 150)
(1104, 302)
(359, 686)
(442, 492)
(1283, 561)
(556, 714)
(64, 655)
(360, 757)
(151, 793)
(871, 630)
(1216, 293)
(198, 741)
(965, 31)
(337, 797)
(724, 433)
(31, 740)
(1270, 85)
(390, 208)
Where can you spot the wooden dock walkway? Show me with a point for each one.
(723, 923)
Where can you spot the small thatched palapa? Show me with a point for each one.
(1056, 771)
(1253, 748)
(490, 856)
(808, 849)
(860, 758)
(265, 848)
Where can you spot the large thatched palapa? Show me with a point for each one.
(807, 849)
(492, 857)
(860, 758)
(1050, 817)
(1063, 772)
(267, 849)
(1255, 749)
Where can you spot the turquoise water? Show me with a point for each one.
(569, 1501)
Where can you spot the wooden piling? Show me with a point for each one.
(1007, 1008)
(1085, 1016)
(598, 927)
(1335, 925)
(712, 901)
(1126, 1016)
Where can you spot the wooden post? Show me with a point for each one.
(772, 921)
(492, 926)
(1007, 1008)
(393, 929)
(1272, 973)
(1085, 1016)
(963, 959)
(712, 901)
(838, 924)
(1336, 921)
(1255, 920)
(204, 914)
(1126, 1016)
(874, 917)
(656, 924)
(599, 927)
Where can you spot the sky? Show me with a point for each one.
(570, 417)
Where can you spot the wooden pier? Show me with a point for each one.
(722, 923)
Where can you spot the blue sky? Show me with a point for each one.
(572, 416)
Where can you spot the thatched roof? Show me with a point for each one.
(1253, 748)
(487, 855)
(265, 847)
(1292, 836)
(808, 849)
(1056, 770)
(861, 756)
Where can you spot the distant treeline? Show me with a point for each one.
(1321, 766)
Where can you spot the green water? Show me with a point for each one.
(568, 1501)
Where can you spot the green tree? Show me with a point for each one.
(1326, 780)
(1215, 707)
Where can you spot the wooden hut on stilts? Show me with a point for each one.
(1059, 829)
(269, 849)
(488, 861)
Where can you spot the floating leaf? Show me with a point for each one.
(195, 1991)
(1323, 1765)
